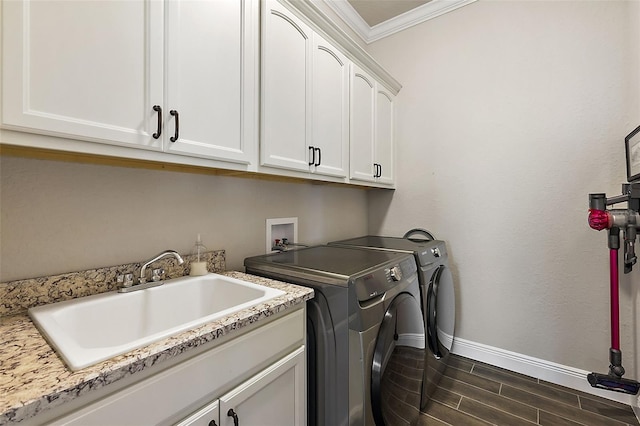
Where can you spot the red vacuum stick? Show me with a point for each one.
(615, 299)
(601, 219)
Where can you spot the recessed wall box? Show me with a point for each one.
(280, 228)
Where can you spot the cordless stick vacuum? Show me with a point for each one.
(614, 220)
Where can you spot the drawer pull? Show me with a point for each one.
(233, 414)
(213, 423)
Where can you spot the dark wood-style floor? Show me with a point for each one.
(473, 393)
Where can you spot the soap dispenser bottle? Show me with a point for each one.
(198, 265)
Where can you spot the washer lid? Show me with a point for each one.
(338, 263)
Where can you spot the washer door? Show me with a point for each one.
(397, 374)
(441, 312)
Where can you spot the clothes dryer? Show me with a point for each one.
(436, 291)
(364, 325)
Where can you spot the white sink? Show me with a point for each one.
(91, 329)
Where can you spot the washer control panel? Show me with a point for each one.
(377, 282)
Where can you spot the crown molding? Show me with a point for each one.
(309, 12)
(412, 17)
(348, 14)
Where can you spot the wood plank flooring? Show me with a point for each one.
(473, 393)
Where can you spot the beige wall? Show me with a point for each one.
(511, 113)
(61, 217)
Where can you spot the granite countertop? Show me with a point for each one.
(33, 378)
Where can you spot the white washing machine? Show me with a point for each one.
(437, 294)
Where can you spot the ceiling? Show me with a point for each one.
(375, 19)
(375, 12)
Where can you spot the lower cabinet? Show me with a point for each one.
(273, 397)
(257, 378)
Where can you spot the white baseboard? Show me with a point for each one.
(412, 340)
(563, 375)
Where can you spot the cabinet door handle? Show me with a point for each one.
(312, 156)
(233, 414)
(213, 423)
(177, 134)
(158, 109)
(319, 157)
(377, 170)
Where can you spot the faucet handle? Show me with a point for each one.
(125, 280)
(158, 274)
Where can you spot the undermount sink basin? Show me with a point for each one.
(91, 329)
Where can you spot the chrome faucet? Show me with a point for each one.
(143, 271)
(126, 280)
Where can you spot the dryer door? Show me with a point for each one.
(441, 312)
(397, 374)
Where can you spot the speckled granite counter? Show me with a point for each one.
(33, 378)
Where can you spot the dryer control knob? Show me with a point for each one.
(435, 251)
(395, 273)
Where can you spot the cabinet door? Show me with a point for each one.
(89, 70)
(211, 58)
(362, 120)
(330, 109)
(286, 47)
(207, 416)
(384, 136)
(274, 397)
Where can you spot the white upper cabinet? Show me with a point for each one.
(330, 109)
(372, 130)
(210, 91)
(384, 136)
(88, 70)
(286, 54)
(250, 85)
(362, 117)
(305, 96)
(129, 72)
